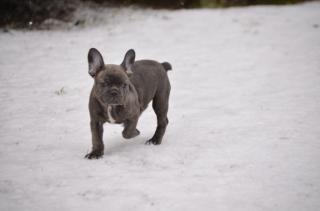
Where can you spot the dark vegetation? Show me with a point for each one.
(176, 4)
(25, 13)
(30, 13)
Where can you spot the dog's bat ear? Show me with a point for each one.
(128, 61)
(95, 61)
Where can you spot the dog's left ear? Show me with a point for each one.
(128, 61)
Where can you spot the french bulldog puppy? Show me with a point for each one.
(122, 92)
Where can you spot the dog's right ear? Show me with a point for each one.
(95, 61)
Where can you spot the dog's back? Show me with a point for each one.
(150, 76)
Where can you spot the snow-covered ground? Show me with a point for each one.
(244, 131)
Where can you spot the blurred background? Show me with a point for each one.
(33, 13)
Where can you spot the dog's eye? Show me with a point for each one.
(104, 84)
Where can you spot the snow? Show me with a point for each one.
(244, 113)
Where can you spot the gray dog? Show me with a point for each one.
(122, 92)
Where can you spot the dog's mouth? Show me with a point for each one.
(108, 99)
(112, 101)
(115, 104)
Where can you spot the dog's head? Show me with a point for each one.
(111, 82)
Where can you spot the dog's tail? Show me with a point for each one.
(167, 66)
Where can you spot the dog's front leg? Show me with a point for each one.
(130, 130)
(97, 142)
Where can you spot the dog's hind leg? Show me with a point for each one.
(160, 106)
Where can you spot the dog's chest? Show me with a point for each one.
(114, 114)
(111, 119)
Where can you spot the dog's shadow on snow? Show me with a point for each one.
(124, 145)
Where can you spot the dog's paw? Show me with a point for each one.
(128, 135)
(94, 154)
(153, 141)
